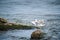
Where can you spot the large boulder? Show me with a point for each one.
(36, 35)
(2, 20)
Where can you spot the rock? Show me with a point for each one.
(2, 20)
(36, 35)
(9, 24)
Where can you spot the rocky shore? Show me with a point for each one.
(5, 25)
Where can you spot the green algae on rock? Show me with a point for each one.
(5, 25)
(2, 20)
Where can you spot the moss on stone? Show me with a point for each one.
(4, 25)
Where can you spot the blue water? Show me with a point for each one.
(24, 11)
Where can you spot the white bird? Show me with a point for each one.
(38, 22)
(35, 22)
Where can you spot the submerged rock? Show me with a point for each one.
(36, 35)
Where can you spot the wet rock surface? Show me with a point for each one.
(37, 35)
(2, 21)
(5, 25)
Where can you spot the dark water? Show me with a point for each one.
(24, 11)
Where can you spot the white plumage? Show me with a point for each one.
(38, 22)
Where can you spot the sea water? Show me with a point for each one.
(25, 11)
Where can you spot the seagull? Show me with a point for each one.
(38, 22)
(34, 22)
